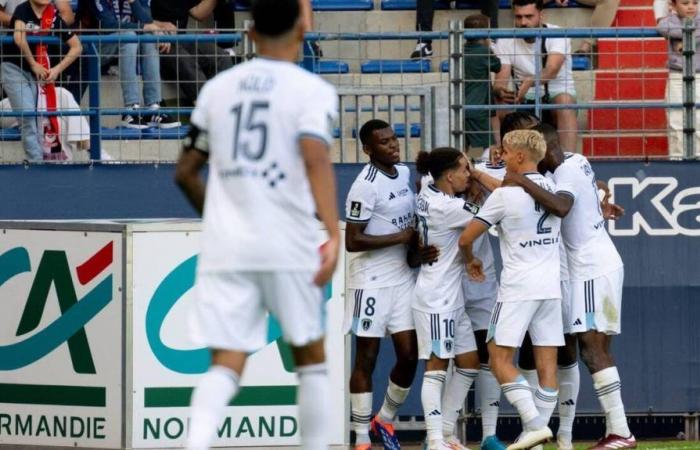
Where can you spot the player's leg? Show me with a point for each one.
(526, 362)
(466, 369)
(297, 302)
(569, 383)
(366, 351)
(509, 321)
(228, 317)
(489, 392)
(401, 327)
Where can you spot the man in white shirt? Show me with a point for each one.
(553, 58)
(596, 277)
(265, 128)
(529, 297)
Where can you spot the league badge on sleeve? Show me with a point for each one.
(355, 209)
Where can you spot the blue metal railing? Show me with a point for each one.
(91, 41)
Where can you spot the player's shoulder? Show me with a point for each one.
(403, 170)
(368, 175)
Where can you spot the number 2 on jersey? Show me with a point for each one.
(541, 229)
(254, 125)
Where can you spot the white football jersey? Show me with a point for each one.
(259, 210)
(529, 240)
(590, 251)
(495, 170)
(441, 219)
(386, 204)
(563, 258)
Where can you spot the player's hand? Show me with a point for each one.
(428, 254)
(511, 179)
(611, 211)
(495, 155)
(475, 269)
(329, 259)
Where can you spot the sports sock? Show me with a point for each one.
(546, 401)
(489, 392)
(453, 398)
(569, 382)
(431, 392)
(209, 400)
(531, 377)
(609, 391)
(393, 399)
(313, 402)
(519, 394)
(361, 407)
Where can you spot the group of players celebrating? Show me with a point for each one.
(559, 294)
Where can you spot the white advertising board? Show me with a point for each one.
(61, 338)
(166, 365)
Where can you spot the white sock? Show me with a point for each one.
(431, 392)
(519, 394)
(569, 382)
(489, 392)
(313, 402)
(361, 407)
(531, 377)
(608, 389)
(211, 396)
(546, 401)
(393, 399)
(453, 398)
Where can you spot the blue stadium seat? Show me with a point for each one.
(445, 66)
(581, 62)
(400, 130)
(383, 108)
(165, 133)
(329, 67)
(397, 5)
(10, 134)
(475, 4)
(120, 133)
(396, 66)
(322, 5)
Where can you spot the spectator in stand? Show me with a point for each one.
(123, 18)
(604, 12)
(671, 27)
(425, 10)
(479, 62)
(189, 64)
(556, 76)
(30, 70)
(7, 8)
(662, 8)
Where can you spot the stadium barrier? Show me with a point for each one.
(617, 123)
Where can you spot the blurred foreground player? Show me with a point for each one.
(265, 127)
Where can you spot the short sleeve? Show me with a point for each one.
(458, 213)
(565, 180)
(200, 114)
(360, 202)
(494, 209)
(318, 114)
(504, 53)
(558, 45)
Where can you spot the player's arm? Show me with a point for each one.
(558, 204)
(195, 154)
(487, 181)
(319, 171)
(357, 241)
(419, 254)
(475, 229)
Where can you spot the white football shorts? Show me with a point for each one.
(480, 306)
(379, 312)
(541, 318)
(444, 334)
(232, 309)
(597, 304)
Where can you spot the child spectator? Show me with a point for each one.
(479, 62)
(30, 69)
(123, 18)
(671, 27)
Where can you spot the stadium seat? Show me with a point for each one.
(382, 108)
(581, 62)
(328, 67)
(322, 5)
(120, 133)
(445, 66)
(400, 5)
(475, 4)
(165, 133)
(10, 134)
(396, 66)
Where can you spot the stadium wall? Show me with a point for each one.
(659, 351)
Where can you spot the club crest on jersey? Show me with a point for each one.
(366, 323)
(448, 345)
(355, 209)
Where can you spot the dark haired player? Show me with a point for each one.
(265, 128)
